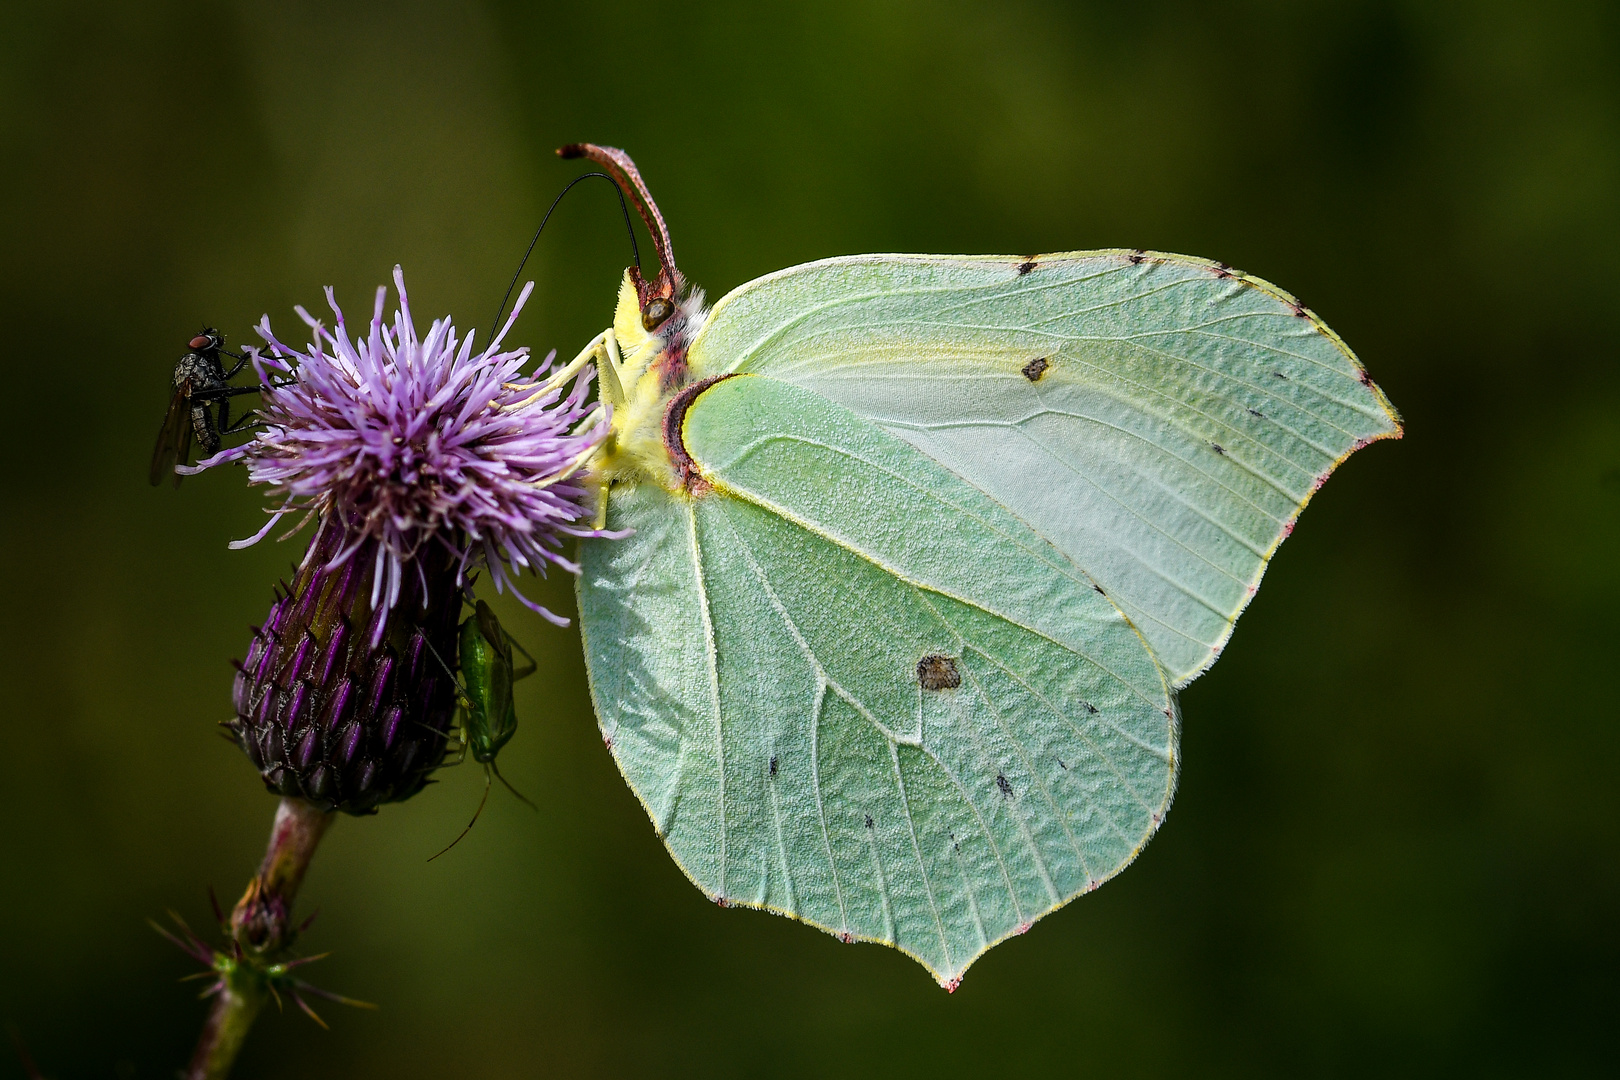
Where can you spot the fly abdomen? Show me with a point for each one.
(202, 422)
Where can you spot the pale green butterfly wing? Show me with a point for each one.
(850, 687)
(1161, 420)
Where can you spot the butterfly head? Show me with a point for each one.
(656, 319)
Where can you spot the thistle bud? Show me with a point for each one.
(345, 704)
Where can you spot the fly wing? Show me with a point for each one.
(174, 437)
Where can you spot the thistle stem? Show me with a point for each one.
(260, 928)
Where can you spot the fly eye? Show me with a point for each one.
(201, 341)
(654, 314)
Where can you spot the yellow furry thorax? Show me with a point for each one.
(640, 372)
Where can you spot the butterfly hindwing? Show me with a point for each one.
(851, 687)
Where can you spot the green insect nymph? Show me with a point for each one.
(489, 719)
(488, 714)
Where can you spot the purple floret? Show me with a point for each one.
(420, 441)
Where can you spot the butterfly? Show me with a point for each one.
(917, 551)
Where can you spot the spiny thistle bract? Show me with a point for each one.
(423, 463)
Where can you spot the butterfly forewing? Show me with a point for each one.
(852, 688)
(1161, 420)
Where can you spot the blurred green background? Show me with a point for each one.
(1396, 847)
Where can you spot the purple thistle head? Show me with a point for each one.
(418, 442)
(423, 462)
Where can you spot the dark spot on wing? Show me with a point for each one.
(1279, 375)
(1062, 766)
(936, 672)
(1099, 589)
(1026, 266)
(1257, 412)
(1218, 448)
(1036, 368)
(868, 821)
(1004, 785)
(1366, 379)
(773, 764)
(1090, 708)
(1299, 309)
(954, 845)
(1222, 270)
(1137, 256)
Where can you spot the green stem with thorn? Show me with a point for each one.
(260, 928)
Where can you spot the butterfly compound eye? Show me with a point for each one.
(654, 314)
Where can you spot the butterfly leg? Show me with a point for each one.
(558, 377)
(608, 366)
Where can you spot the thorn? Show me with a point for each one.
(191, 945)
(309, 1012)
(309, 988)
(288, 965)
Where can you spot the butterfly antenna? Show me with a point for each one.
(496, 770)
(475, 816)
(635, 252)
(629, 180)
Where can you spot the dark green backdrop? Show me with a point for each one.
(1395, 844)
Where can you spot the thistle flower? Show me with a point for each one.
(423, 463)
